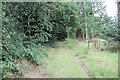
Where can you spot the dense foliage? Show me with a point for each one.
(26, 25)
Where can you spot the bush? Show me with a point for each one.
(38, 54)
(9, 69)
(113, 46)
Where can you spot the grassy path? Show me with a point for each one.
(73, 59)
(64, 64)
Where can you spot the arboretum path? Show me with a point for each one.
(63, 64)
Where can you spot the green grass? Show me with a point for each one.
(102, 64)
(62, 64)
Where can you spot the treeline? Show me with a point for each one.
(26, 25)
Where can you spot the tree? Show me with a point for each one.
(118, 5)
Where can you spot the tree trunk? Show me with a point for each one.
(86, 27)
(68, 32)
(118, 4)
(92, 33)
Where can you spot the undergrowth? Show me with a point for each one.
(35, 55)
